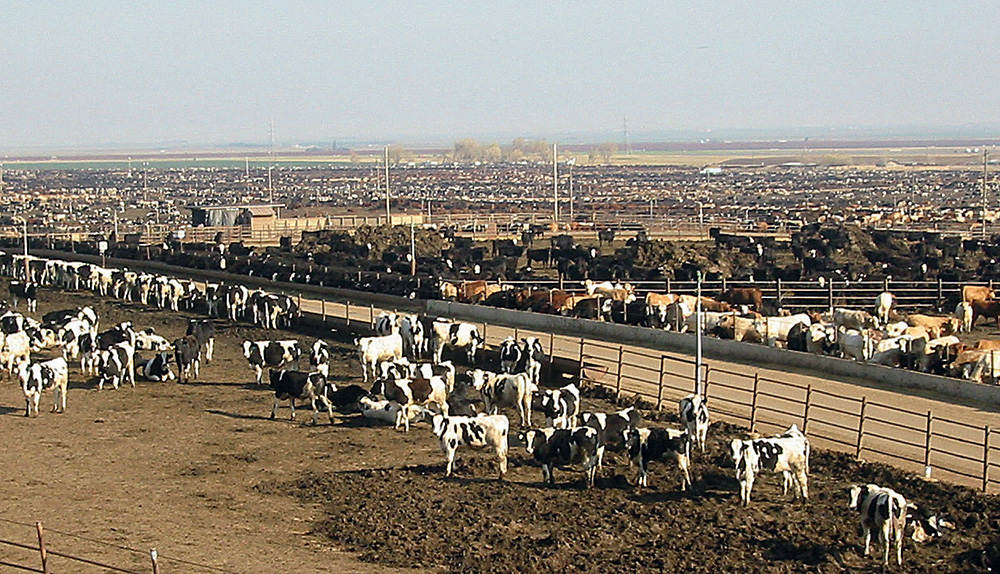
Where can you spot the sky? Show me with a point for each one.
(190, 73)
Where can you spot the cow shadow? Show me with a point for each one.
(239, 416)
(783, 549)
(11, 410)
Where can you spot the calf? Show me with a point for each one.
(319, 357)
(645, 445)
(612, 429)
(275, 354)
(292, 385)
(372, 350)
(560, 406)
(203, 330)
(885, 510)
(560, 447)
(883, 307)
(963, 312)
(505, 390)
(14, 348)
(455, 335)
(972, 293)
(113, 365)
(693, 410)
(186, 352)
(156, 369)
(388, 411)
(346, 399)
(785, 453)
(477, 432)
(940, 326)
(38, 377)
(412, 330)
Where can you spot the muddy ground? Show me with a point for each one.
(199, 472)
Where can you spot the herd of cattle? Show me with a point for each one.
(880, 335)
(407, 388)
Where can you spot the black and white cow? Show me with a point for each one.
(533, 357)
(373, 350)
(113, 365)
(414, 339)
(27, 291)
(648, 444)
(457, 336)
(505, 390)
(693, 410)
(386, 324)
(203, 330)
(881, 509)
(510, 355)
(213, 297)
(156, 368)
(11, 322)
(787, 453)
(611, 428)
(560, 447)
(319, 357)
(235, 298)
(148, 340)
(560, 406)
(346, 399)
(186, 356)
(477, 432)
(121, 333)
(39, 377)
(57, 319)
(299, 385)
(14, 349)
(274, 354)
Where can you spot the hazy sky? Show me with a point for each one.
(78, 73)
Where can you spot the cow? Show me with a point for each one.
(988, 309)
(560, 447)
(509, 390)
(774, 329)
(412, 330)
(373, 350)
(649, 444)
(319, 357)
(274, 354)
(925, 525)
(749, 296)
(39, 377)
(510, 355)
(859, 346)
(386, 324)
(186, 353)
(70, 335)
(27, 291)
(596, 308)
(560, 406)
(853, 319)
(882, 509)
(455, 335)
(693, 410)
(533, 356)
(203, 330)
(972, 293)
(113, 365)
(58, 319)
(416, 391)
(147, 340)
(611, 429)
(883, 307)
(346, 399)
(156, 368)
(300, 385)
(963, 312)
(940, 326)
(785, 453)
(11, 322)
(477, 432)
(14, 349)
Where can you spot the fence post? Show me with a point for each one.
(940, 291)
(300, 303)
(777, 294)
(805, 414)
(581, 356)
(41, 547)
(861, 427)
(618, 381)
(986, 457)
(927, 446)
(552, 340)
(704, 387)
(659, 391)
(516, 337)
(371, 315)
(486, 339)
(155, 558)
(830, 294)
(753, 402)
(322, 310)
(347, 312)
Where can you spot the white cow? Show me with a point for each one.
(881, 509)
(787, 453)
(505, 390)
(693, 410)
(477, 432)
(883, 307)
(455, 335)
(372, 350)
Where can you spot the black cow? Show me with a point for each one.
(510, 355)
(261, 354)
(645, 445)
(346, 399)
(27, 291)
(292, 385)
(186, 353)
(120, 333)
(560, 447)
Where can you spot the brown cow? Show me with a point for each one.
(750, 296)
(657, 299)
(936, 326)
(972, 293)
(987, 344)
(570, 302)
(990, 309)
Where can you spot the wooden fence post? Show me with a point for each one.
(861, 427)
(805, 414)
(347, 312)
(753, 402)
(618, 381)
(940, 291)
(830, 294)
(371, 315)
(300, 303)
(659, 391)
(155, 558)
(777, 295)
(486, 339)
(41, 547)
(516, 337)
(322, 310)
(704, 388)
(581, 356)
(927, 446)
(986, 457)
(552, 340)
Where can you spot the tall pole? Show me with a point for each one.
(697, 357)
(571, 193)
(985, 152)
(555, 186)
(27, 269)
(388, 217)
(413, 250)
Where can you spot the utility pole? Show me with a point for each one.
(388, 217)
(571, 163)
(625, 135)
(698, 388)
(555, 187)
(413, 250)
(985, 156)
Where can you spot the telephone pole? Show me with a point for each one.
(388, 217)
(555, 187)
(985, 159)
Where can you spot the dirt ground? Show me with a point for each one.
(200, 473)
